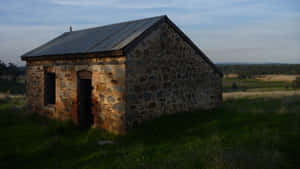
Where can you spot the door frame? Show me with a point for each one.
(83, 74)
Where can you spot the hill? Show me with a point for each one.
(259, 69)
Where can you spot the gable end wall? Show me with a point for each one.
(165, 75)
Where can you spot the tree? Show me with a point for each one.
(13, 70)
(3, 68)
(234, 86)
(9, 69)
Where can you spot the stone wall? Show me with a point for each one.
(165, 75)
(108, 81)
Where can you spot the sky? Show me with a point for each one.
(252, 31)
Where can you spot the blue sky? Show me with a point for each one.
(227, 31)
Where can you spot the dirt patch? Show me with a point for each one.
(231, 75)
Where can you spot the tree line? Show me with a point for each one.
(259, 69)
(11, 69)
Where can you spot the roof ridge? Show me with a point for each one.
(129, 21)
(137, 30)
(126, 24)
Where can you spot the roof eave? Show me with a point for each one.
(111, 53)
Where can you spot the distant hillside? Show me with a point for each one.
(253, 63)
(259, 69)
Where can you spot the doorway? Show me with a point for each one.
(85, 117)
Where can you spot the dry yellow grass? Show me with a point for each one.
(280, 77)
(269, 94)
(231, 75)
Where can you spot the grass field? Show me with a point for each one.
(254, 85)
(242, 134)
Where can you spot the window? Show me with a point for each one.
(49, 88)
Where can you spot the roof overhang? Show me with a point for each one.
(113, 53)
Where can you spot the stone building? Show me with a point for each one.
(117, 76)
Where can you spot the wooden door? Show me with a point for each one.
(85, 117)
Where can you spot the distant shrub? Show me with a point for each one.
(245, 76)
(287, 86)
(242, 76)
(234, 86)
(296, 83)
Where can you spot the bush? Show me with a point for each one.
(245, 76)
(287, 86)
(242, 76)
(296, 83)
(234, 86)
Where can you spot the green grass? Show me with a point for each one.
(244, 133)
(254, 85)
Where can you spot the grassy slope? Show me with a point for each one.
(267, 135)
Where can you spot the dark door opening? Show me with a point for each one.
(85, 117)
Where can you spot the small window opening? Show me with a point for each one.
(49, 88)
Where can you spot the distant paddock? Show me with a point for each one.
(279, 77)
(269, 94)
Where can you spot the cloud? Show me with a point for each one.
(138, 4)
(116, 4)
(243, 30)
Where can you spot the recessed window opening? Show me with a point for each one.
(49, 88)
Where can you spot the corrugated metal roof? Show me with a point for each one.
(98, 39)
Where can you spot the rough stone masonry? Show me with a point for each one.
(160, 71)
